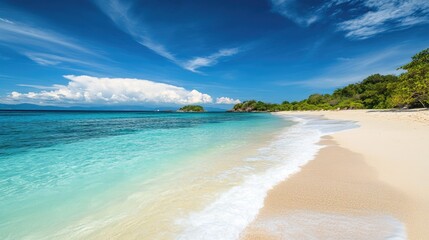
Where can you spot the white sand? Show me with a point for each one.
(380, 168)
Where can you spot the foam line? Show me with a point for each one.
(229, 215)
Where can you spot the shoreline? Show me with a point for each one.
(360, 172)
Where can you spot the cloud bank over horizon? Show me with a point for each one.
(87, 90)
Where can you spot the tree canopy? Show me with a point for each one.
(413, 87)
(191, 108)
(410, 89)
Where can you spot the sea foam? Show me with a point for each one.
(315, 225)
(232, 211)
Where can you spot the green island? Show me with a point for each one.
(191, 108)
(408, 90)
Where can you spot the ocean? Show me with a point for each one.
(145, 175)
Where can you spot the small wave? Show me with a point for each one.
(229, 215)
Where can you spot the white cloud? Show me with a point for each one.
(291, 10)
(386, 16)
(36, 86)
(20, 33)
(198, 62)
(93, 90)
(52, 60)
(157, 48)
(227, 100)
(122, 17)
(6, 20)
(43, 61)
(44, 46)
(377, 16)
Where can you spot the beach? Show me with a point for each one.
(291, 175)
(369, 182)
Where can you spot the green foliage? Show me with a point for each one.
(191, 108)
(410, 89)
(373, 92)
(413, 87)
(258, 106)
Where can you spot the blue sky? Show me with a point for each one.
(159, 52)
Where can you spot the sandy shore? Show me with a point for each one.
(379, 169)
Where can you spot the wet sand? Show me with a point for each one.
(377, 170)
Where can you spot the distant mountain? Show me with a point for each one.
(26, 106)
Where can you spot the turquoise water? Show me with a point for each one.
(59, 167)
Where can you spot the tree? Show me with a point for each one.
(315, 99)
(413, 86)
(191, 108)
(377, 91)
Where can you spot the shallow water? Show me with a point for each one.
(62, 169)
(139, 175)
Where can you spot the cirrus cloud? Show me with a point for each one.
(362, 18)
(94, 90)
(120, 12)
(198, 62)
(386, 16)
